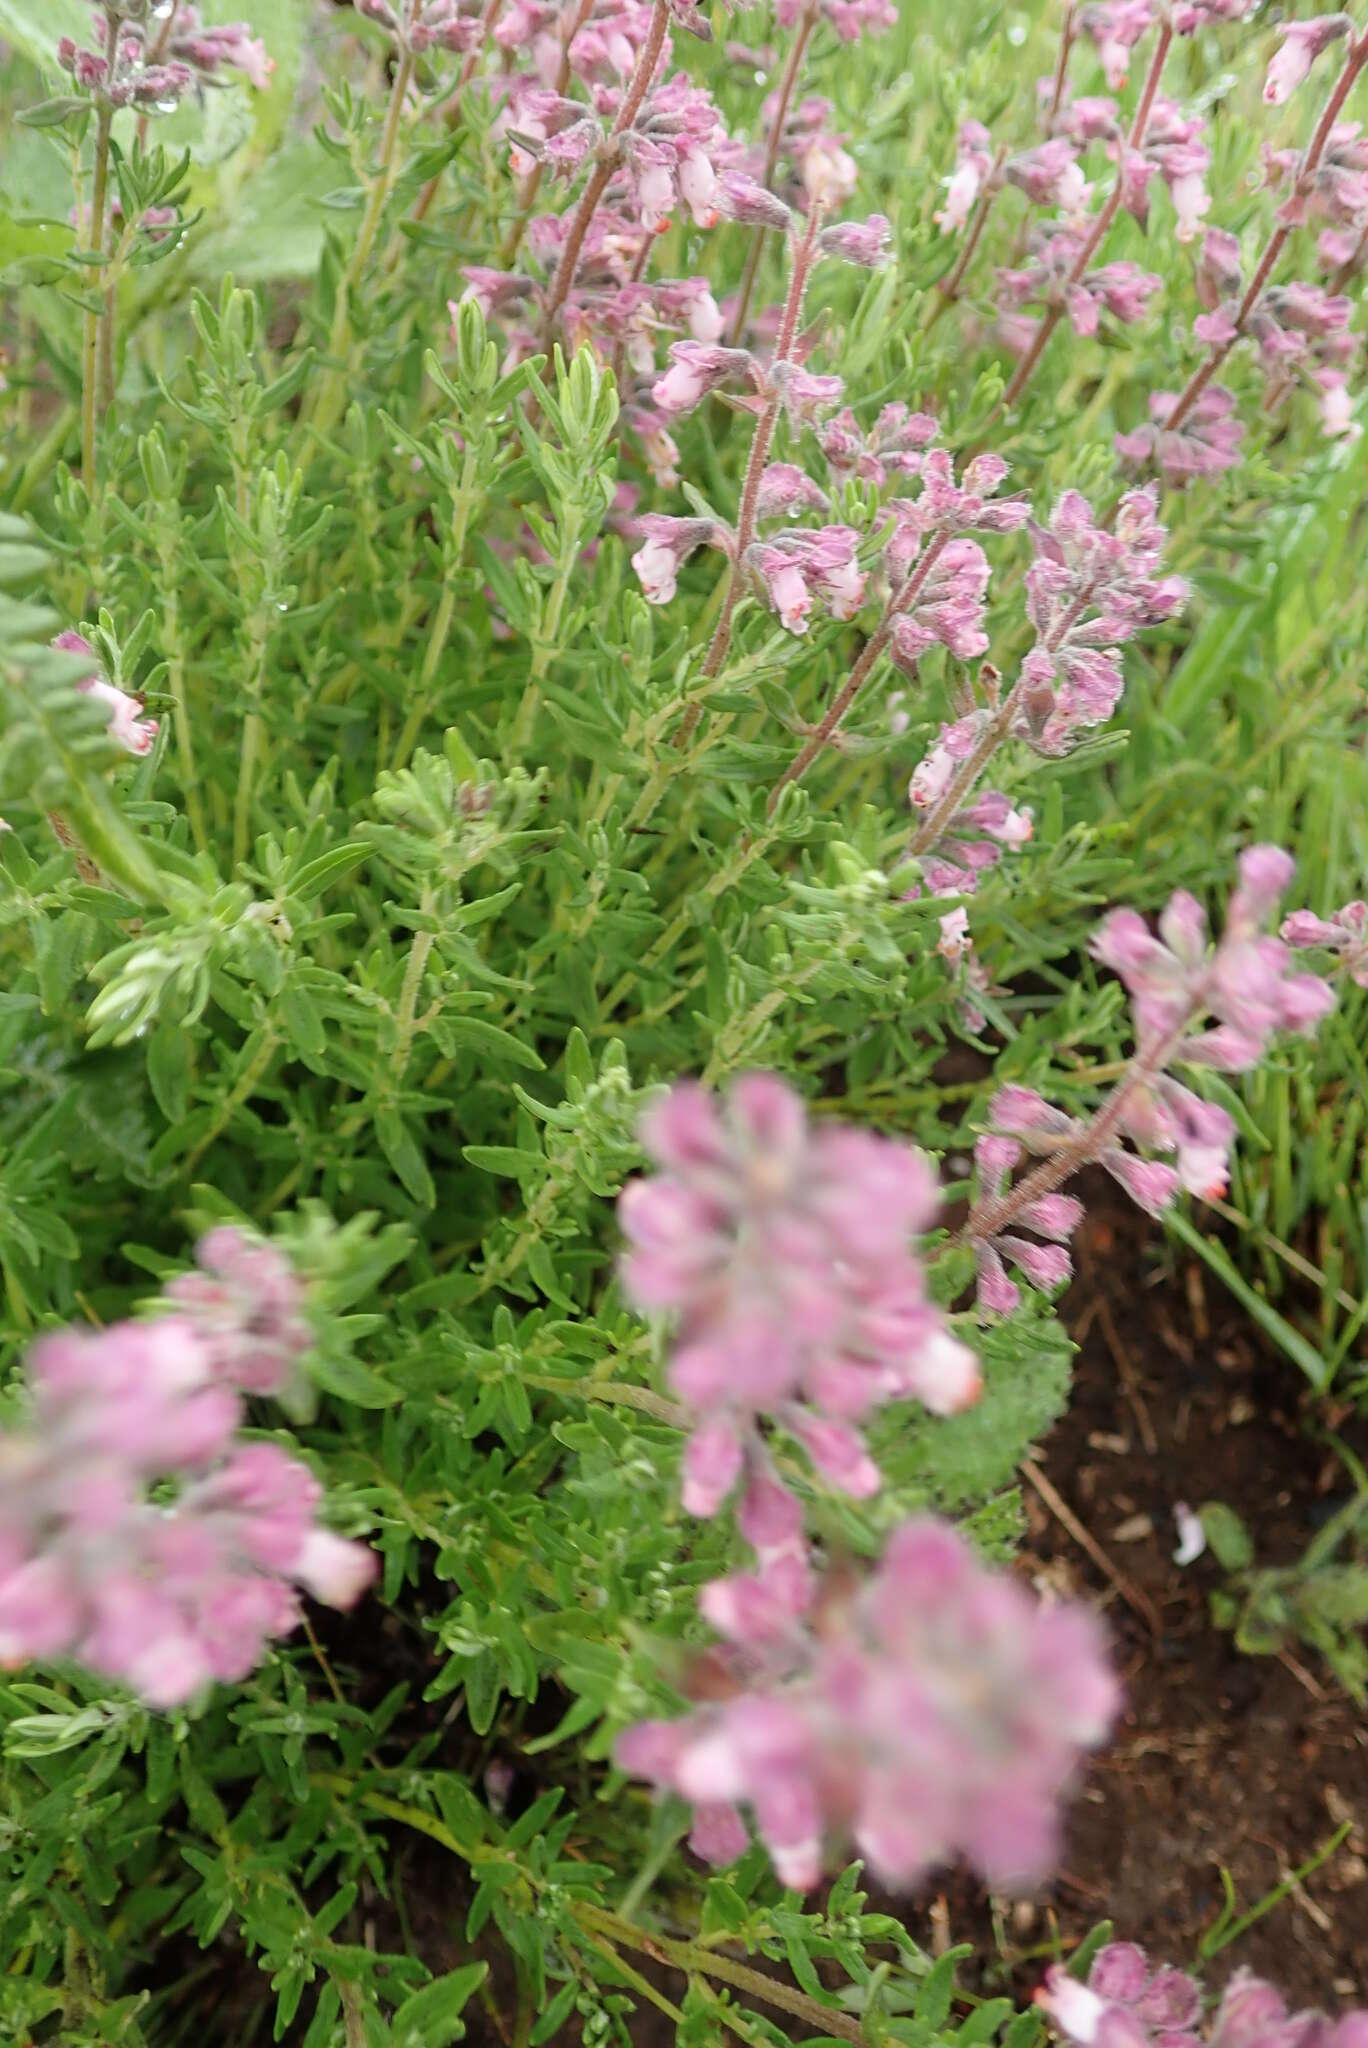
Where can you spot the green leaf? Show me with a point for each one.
(315, 876)
(507, 1160)
(1228, 1535)
(431, 2018)
(492, 1041)
(401, 1149)
(1317, 1369)
(350, 1380)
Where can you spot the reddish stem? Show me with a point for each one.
(1066, 37)
(787, 86)
(637, 89)
(988, 1219)
(1106, 214)
(1354, 61)
(532, 183)
(949, 287)
(905, 596)
(755, 468)
(450, 110)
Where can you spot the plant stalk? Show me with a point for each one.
(787, 86)
(90, 340)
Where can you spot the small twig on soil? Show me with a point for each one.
(1139, 1602)
(1126, 1372)
(1302, 1676)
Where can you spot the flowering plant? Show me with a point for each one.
(569, 626)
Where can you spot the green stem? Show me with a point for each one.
(90, 345)
(462, 506)
(330, 390)
(242, 1088)
(175, 663)
(251, 747)
(94, 817)
(687, 1956)
(408, 998)
(547, 632)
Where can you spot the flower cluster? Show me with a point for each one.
(151, 66)
(1171, 149)
(1194, 1005)
(425, 25)
(784, 1252)
(646, 143)
(1126, 2004)
(247, 1307)
(1057, 277)
(127, 726)
(938, 1711)
(1090, 588)
(95, 1564)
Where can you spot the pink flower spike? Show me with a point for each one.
(784, 1249)
(786, 490)
(937, 1710)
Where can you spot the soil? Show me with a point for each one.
(1224, 1762)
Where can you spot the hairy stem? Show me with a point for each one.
(1355, 58)
(760, 446)
(90, 340)
(1106, 214)
(949, 288)
(905, 596)
(330, 389)
(637, 89)
(787, 86)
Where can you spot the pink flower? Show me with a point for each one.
(247, 1307)
(1302, 43)
(1206, 444)
(940, 1711)
(801, 563)
(1127, 2004)
(785, 490)
(972, 165)
(666, 544)
(863, 242)
(784, 1251)
(784, 586)
(895, 444)
(127, 727)
(695, 370)
(165, 1596)
(829, 177)
(1115, 27)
